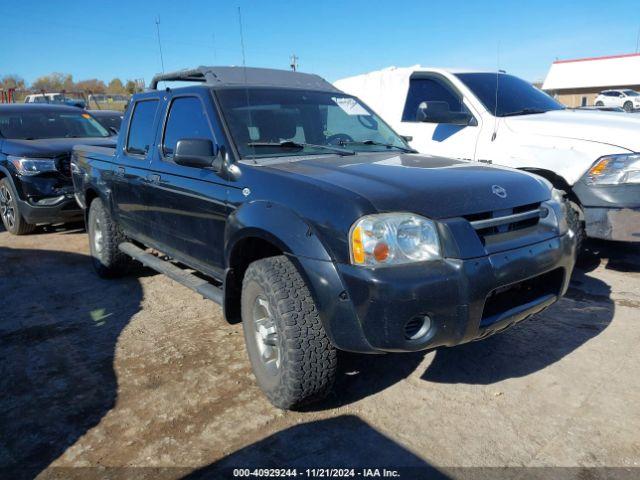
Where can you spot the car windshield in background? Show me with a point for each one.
(631, 93)
(277, 122)
(25, 125)
(109, 121)
(514, 95)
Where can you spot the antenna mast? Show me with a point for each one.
(294, 62)
(159, 43)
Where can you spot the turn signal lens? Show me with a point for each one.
(600, 167)
(615, 170)
(356, 246)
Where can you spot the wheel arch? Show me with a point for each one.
(263, 229)
(556, 180)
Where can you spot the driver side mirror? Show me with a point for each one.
(197, 153)
(438, 112)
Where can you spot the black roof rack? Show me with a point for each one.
(238, 76)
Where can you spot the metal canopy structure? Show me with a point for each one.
(241, 76)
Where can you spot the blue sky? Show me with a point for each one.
(332, 38)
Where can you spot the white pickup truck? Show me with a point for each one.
(498, 118)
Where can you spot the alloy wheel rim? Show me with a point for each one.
(7, 209)
(97, 236)
(266, 335)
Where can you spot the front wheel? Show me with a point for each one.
(576, 225)
(12, 219)
(291, 356)
(628, 106)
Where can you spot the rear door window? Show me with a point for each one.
(141, 131)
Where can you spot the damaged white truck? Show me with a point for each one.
(591, 155)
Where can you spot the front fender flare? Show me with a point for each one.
(297, 239)
(278, 225)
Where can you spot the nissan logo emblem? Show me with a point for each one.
(499, 191)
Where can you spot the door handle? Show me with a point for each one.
(120, 172)
(154, 178)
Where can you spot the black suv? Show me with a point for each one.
(35, 152)
(311, 221)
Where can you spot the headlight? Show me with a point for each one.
(33, 166)
(392, 239)
(615, 169)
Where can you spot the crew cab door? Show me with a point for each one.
(449, 140)
(188, 204)
(129, 189)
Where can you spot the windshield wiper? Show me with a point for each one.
(301, 145)
(524, 111)
(381, 144)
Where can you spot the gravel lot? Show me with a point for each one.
(141, 372)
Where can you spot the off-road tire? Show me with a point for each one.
(15, 224)
(307, 359)
(627, 106)
(576, 225)
(108, 260)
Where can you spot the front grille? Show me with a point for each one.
(498, 222)
(63, 164)
(511, 296)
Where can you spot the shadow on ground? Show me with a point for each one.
(341, 442)
(618, 256)
(59, 325)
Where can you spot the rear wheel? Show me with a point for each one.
(599, 104)
(628, 106)
(104, 237)
(292, 359)
(13, 221)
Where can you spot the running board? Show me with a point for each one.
(189, 280)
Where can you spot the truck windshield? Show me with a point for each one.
(513, 95)
(278, 122)
(33, 125)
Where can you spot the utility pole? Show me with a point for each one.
(294, 62)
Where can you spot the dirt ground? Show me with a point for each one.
(141, 372)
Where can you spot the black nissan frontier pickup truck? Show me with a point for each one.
(314, 224)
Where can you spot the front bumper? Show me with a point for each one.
(611, 212)
(46, 199)
(621, 224)
(455, 294)
(65, 210)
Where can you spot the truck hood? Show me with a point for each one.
(431, 186)
(611, 128)
(51, 147)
